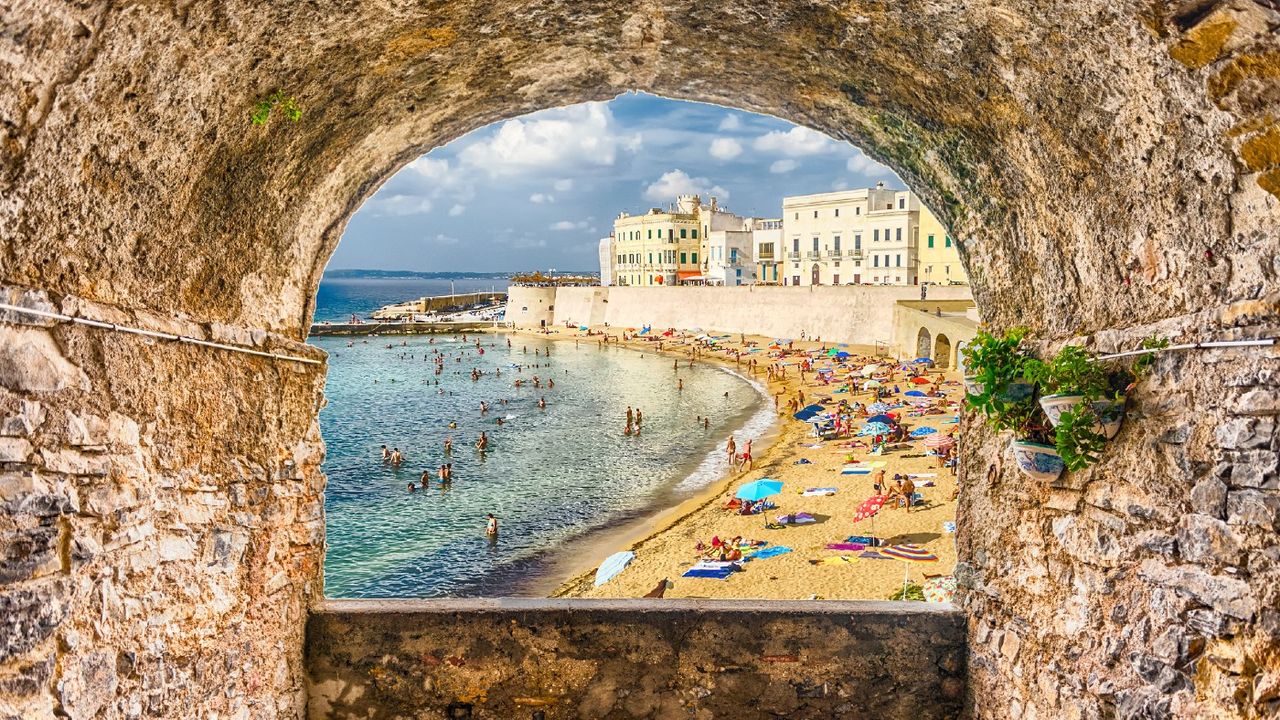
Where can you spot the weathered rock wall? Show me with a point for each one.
(161, 521)
(1113, 166)
(634, 659)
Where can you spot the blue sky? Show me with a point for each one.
(539, 191)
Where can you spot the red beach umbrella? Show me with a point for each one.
(921, 380)
(868, 509)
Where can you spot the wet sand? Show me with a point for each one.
(666, 548)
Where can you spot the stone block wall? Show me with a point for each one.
(161, 519)
(544, 660)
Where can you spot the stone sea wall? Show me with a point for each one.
(836, 314)
(161, 519)
(522, 659)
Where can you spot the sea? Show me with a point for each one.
(558, 478)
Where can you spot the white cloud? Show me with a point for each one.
(569, 225)
(795, 142)
(678, 182)
(725, 148)
(577, 136)
(442, 239)
(783, 166)
(430, 168)
(457, 210)
(394, 205)
(863, 165)
(731, 122)
(840, 185)
(541, 198)
(564, 185)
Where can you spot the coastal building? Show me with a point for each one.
(607, 255)
(659, 247)
(766, 250)
(860, 237)
(728, 256)
(939, 258)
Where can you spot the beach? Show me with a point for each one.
(801, 461)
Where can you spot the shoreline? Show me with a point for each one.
(665, 548)
(599, 544)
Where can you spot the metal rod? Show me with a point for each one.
(155, 334)
(1192, 346)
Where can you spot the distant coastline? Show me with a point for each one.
(345, 274)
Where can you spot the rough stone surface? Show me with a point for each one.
(1112, 169)
(634, 659)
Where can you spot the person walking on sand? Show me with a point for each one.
(746, 456)
(732, 449)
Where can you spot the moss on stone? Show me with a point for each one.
(1262, 151)
(1270, 181)
(1261, 66)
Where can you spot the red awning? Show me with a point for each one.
(685, 275)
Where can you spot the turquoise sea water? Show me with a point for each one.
(554, 477)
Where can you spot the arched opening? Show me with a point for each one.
(924, 343)
(942, 352)
(138, 192)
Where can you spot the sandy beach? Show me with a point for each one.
(666, 550)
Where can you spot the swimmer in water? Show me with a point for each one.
(542, 403)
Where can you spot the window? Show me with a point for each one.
(815, 243)
(695, 233)
(795, 279)
(815, 213)
(795, 244)
(875, 235)
(948, 241)
(650, 259)
(902, 203)
(835, 279)
(930, 241)
(650, 235)
(857, 241)
(857, 210)
(876, 260)
(899, 235)
(684, 258)
(898, 261)
(797, 216)
(837, 214)
(683, 233)
(695, 258)
(733, 257)
(948, 269)
(670, 234)
(836, 244)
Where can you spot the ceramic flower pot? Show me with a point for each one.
(1055, 405)
(1016, 392)
(1110, 416)
(972, 385)
(1038, 461)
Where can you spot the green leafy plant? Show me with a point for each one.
(276, 100)
(1077, 439)
(997, 364)
(1142, 365)
(1073, 371)
(911, 592)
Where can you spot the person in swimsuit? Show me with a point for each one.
(746, 455)
(483, 443)
(491, 526)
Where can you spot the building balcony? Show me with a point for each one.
(794, 255)
(854, 252)
(813, 255)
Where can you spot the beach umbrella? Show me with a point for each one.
(921, 380)
(870, 384)
(613, 565)
(923, 431)
(759, 490)
(874, 428)
(923, 361)
(869, 370)
(939, 441)
(940, 588)
(915, 393)
(832, 352)
(807, 412)
(842, 355)
(868, 509)
(908, 554)
(877, 407)
(881, 418)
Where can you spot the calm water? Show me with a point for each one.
(337, 299)
(552, 476)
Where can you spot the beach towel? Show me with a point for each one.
(820, 491)
(873, 555)
(796, 519)
(835, 560)
(847, 547)
(712, 573)
(949, 527)
(769, 552)
(868, 540)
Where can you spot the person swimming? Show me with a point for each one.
(483, 443)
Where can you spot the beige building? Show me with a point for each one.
(939, 258)
(659, 247)
(867, 236)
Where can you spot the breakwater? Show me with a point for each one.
(395, 328)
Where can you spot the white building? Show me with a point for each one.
(766, 250)
(606, 261)
(851, 237)
(728, 256)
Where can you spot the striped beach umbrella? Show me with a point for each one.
(908, 554)
(939, 442)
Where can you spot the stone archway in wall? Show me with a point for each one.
(942, 352)
(169, 483)
(924, 343)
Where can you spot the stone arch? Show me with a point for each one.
(942, 352)
(134, 189)
(924, 343)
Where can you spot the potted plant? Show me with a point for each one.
(1070, 379)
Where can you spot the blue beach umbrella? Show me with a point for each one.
(922, 432)
(923, 361)
(915, 393)
(759, 490)
(881, 419)
(808, 412)
(874, 428)
(877, 407)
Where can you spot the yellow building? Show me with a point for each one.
(939, 260)
(659, 247)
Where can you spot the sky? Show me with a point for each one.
(538, 192)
